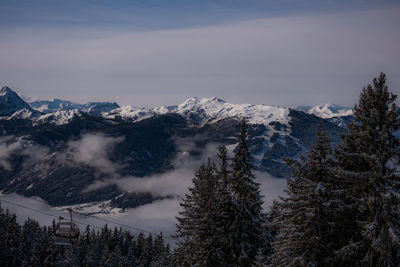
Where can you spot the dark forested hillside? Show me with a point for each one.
(33, 245)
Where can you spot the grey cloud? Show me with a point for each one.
(93, 150)
(157, 216)
(271, 188)
(177, 181)
(174, 182)
(89, 149)
(284, 61)
(36, 155)
(6, 151)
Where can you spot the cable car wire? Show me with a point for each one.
(169, 236)
(43, 212)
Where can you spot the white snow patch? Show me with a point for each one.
(60, 117)
(21, 114)
(209, 110)
(328, 110)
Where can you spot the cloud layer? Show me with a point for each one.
(284, 61)
(94, 150)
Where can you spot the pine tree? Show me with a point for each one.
(368, 158)
(33, 245)
(260, 260)
(224, 213)
(4, 249)
(248, 221)
(306, 229)
(13, 240)
(196, 223)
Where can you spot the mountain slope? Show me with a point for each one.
(11, 102)
(72, 157)
(327, 110)
(54, 105)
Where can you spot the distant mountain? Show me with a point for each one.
(49, 106)
(336, 114)
(207, 110)
(58, 155)
(11, 102)
(100, 107)
(59, 117)
(54, 105)
(327, 111)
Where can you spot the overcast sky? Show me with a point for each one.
(150, 53)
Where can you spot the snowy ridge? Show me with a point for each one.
(208, 110)
(11, 102)
(97, 207)
(197, 111)
(129, 113)
(214, 109)
(53, 105)
(59, 117)
(328, 111)
(21, 114)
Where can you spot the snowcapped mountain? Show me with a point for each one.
(59, 154)
(24, 113)
(336, 114)
(327, 111)
(59, 117)
(11, 102)
(129, 113)
(100, 107)
(198, 111)
(207, 110)
(50, 106)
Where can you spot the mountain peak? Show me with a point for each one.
(329, 110)
(10, 102)
(213, 99)
(6, 90)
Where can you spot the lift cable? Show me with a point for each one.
(90, 216)
(46, 213)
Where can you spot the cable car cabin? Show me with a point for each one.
(66, 232)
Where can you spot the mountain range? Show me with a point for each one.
(75, 154)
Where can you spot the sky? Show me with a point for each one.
(152, 53)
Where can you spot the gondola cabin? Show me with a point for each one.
(66, 232)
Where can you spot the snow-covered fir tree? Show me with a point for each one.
(222, 222)
(260, 260)
(196, 229)
(248, 219)
(32, 245)
(224, 212)
(304, 219)
(368, 161)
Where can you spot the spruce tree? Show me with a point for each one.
(260, 260)
(196, 223)
(4, 250)
(368, 158)
(304, 219)
(224, 213)
(247, 204)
